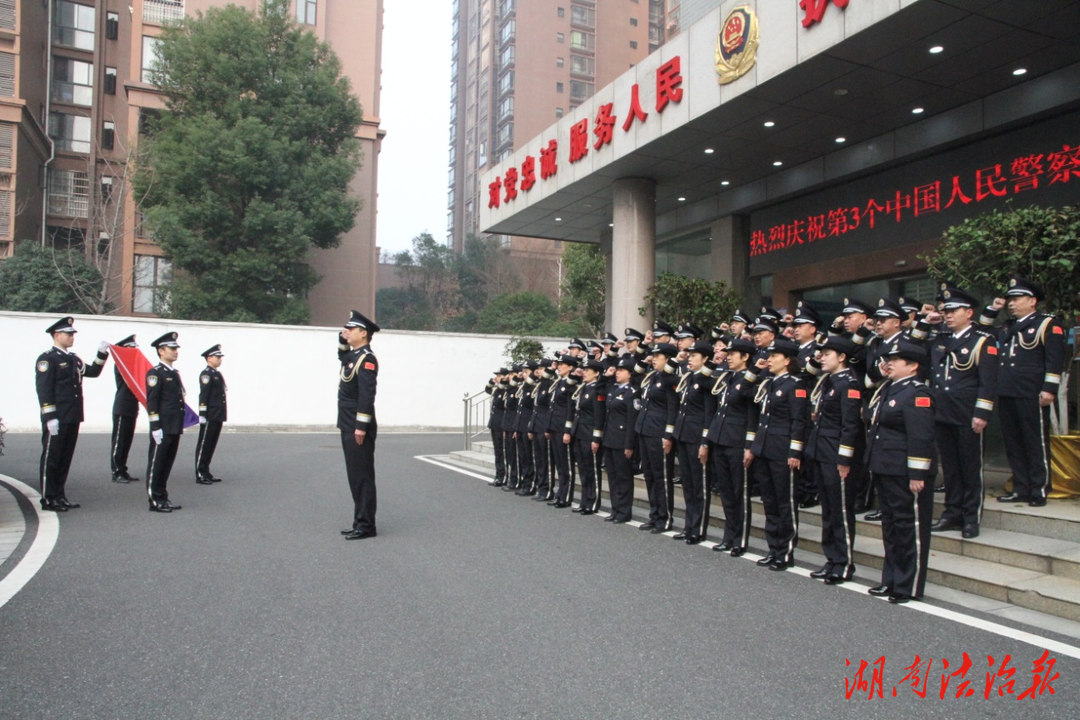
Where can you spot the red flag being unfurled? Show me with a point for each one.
(133, 367)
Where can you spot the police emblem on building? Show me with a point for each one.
(736, 45)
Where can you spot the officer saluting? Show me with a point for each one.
(125, 413)
(165, 406)
(356, 420)
(59, 388)
(212, 414)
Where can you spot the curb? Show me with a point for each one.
(38, 541)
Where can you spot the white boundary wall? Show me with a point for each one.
(279, 376)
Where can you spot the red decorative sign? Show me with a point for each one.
(815, 10)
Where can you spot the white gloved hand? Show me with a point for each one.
(158, 435)
(53, 426)
(103, 348)
(202, 420)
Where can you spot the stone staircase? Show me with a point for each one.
(1024, 556)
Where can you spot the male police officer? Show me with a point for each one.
(60, 373)
(212, 414)
(165, 406)
(125, 413)
(356, 420)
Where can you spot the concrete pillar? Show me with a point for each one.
(730, 255)
(605, 250)
(633, 252)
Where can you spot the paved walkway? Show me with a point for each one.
(12, 523)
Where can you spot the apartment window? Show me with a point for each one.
(453, 154)
(73, 81)
(69, 193)
(107, 187)
(558, 62)
(506, 58)
(508, 31)
(73, 25)
(7, 142)
(147, 118)
(558, 112)
(506, 82)
(582, 16)
(559, 37)
(633, 44)
(582, 65)
(110, 81)
(149, 57)
(506, 107)
(70, 132)
(108, 135)
(152, 277)
(582, 40)
(580, 90)
(450, 221)
(7, 74)
(306, 11)
(112, 26)
(450, 197)
(562, 12)
(7, 18)
(66, 237)
(506, 134)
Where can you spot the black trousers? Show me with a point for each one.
(961, 452)
(56, 453)
(123, 433)
(905, 528)
(620, 471)
(733, 486)
(510, 452)
(1025, 427)
(541, 464)
(695, 493)
(781, 510)
(587, 463)
(807, 482)
(561, 454)
(204, 449)
(837, 520)
(159, 464)
(652, 465)
(500, 457)
(360, 468)
(525, 460)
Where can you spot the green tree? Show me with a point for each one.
(403, 309)
(584, 285)
(679, 299)
(522, 349)
(248, 167)
(43, 279)
(1041, 244)
(520, 313)
(430, 273)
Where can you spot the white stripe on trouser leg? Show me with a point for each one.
(116, 440)
(45, 466)
(1042, 448)
(704, 501)
(982, 464)
(598, 473)
(918, 546)
(202, 443)
(150, 476)
(850, 566)
(745, 506)
(794, 517)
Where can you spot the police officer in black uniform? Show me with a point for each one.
(964, 369)
(559, 425)
(165, 407)
(1033, 359)
(356, 420)
(213, 412)
(525, 405)
(496, 388)
(899, 453)
(588, 432)
(806, 324)
(60, 373)
(124, 415)
(509, 428)
(656, 428)
(620, 441)
(539, 434)
(696, 408)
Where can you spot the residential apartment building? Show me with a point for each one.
(77, 72)
(518, 66)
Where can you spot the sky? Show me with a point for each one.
(415, 113)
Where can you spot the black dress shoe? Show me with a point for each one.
(498, 483)
(899, 599)
(586, 511)
(767, 560)
(509, 488)
(120, 478)
(1037, 502)
(348, 531)
(681, 536)
(171, 506)
(525, 493)
(874, 516)
(214, 478)
(738, 552)
(609, 518)
(577, 509)
(971, 530)
(647, 526)
(821, 574)
(723, 547)
(944, 525)
(203, 480)
(52, 506)
(940, 488)
(779, 565)
(808, 503)
(561, 505)
(360, 534)
(1012, 498)
(541, 498)
(834, 580)
(880, 590)
(68, 504)
(693, 539)
(657, 530)
(160, 508)
(620, 521)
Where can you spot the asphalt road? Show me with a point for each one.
(471, 603)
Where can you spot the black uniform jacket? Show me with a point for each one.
(541, 418)
(837, 434)
(623, 403)
(1032, 356)
(509, 423)
(562, 405)
(900, 440)
(359, 378)
(589, 412)
(59, 384)
(498, 405)
(781, 428)
(212, 404)
(697, 405)
(876, 348)
(736, 419)
(526, 403)
(964, 373)
(659, 405)
(125, 404)
(165, 399)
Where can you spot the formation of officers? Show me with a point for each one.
(853, 415)
(59, 377)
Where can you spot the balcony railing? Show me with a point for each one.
(160, 12)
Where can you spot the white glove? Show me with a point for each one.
(158, 435)
(202, 420)
(53, 427)
(103, 348)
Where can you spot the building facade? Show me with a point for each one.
(808, 150)
(79, 97)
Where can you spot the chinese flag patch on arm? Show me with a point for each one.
(922, 402)
(800, 393)
(854, 394)
(369, 366)
(1058, 330)
(991, 349)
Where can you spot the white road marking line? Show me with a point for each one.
(1023, 636)
(48, 531)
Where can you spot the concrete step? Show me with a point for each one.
(472, 457)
